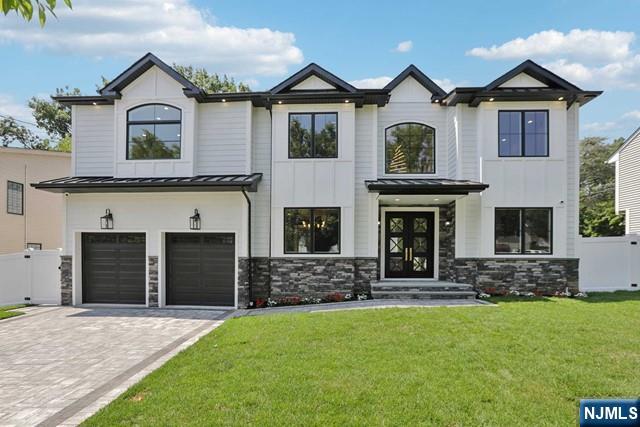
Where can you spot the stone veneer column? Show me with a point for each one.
(66, 280)
(261, 280)
(153, 281)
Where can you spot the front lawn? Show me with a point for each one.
(525, 362)
(5, 313)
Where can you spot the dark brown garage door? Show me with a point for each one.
(113, 268)
(200, 269)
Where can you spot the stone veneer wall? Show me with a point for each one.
(261, 279)
(66, 283)
(153, 281)
(543, 276)
(447, 242)
(314, 277)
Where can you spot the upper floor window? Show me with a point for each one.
(313, 135)
(153, 132)
(523, 133)
(15, 198)
(410, 148)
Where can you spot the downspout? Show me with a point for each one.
(246, 196)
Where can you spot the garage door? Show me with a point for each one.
(113, 268)
(200, 269)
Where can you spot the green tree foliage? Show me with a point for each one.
(13, 132)
(53, 117)
(26, 8)
(597, 189)
(149, 146)
(417, 146)
(211, 83)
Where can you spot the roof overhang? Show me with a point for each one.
(209, 183)
(424, 186)
(474, 96)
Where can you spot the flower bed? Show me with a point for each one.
(298, 300)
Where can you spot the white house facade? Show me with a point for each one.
(627, 199)
(179, 197)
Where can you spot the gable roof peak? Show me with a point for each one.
(420, 77)
(112, 89)
(313, 69)
(536, 71)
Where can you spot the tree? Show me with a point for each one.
(13, 132)
(597, 189)
(27, 7)
(211, 83)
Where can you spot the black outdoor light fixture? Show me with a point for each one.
(194, 221)
(106, 221)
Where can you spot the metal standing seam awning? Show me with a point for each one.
(109, 184)
(424, 186)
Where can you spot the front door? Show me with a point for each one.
(409, 245)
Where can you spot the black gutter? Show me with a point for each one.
(246, 196)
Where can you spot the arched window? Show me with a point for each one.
(153, 132)
(410, 148)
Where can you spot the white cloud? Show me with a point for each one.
(619, 125)
(634, 115)
(577, 44)
(404, 46)
(605, 59)
(9, 107)
(380, 82)
(371, 83)
(175, 30)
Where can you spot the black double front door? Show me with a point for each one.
(409, 245)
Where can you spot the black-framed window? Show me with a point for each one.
(313, 135)
(153, 132)
(312, 230)
(523, 133)
(15, 198)
(410, 148)
(523, 231)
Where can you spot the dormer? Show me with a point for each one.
(155, 117)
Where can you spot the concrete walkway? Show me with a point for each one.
(355, 305)
(58, 365)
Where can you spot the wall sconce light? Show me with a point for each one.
(106, 221)
(447, 223)
(194, 221)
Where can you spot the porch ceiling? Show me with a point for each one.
(422, 186)
(417, 199)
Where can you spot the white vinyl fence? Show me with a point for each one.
(31, 277)
(610, 263)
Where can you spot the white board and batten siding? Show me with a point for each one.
(92, 140)
(628, 183)
(312, 182)
(366, 206)
(411, 102)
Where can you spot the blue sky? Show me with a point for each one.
(594, 44)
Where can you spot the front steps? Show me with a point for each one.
(421, 289)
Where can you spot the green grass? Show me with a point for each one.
(5, 313)
(525, 362)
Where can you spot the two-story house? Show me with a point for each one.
(179, 197)
(627, 198)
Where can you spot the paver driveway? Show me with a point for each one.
(60, 364)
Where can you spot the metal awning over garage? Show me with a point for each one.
(424, 186)
(110, 184)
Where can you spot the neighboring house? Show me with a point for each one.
(627, 163)
(30, 218)
(320, 186)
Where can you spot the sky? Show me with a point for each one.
(593, 44)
